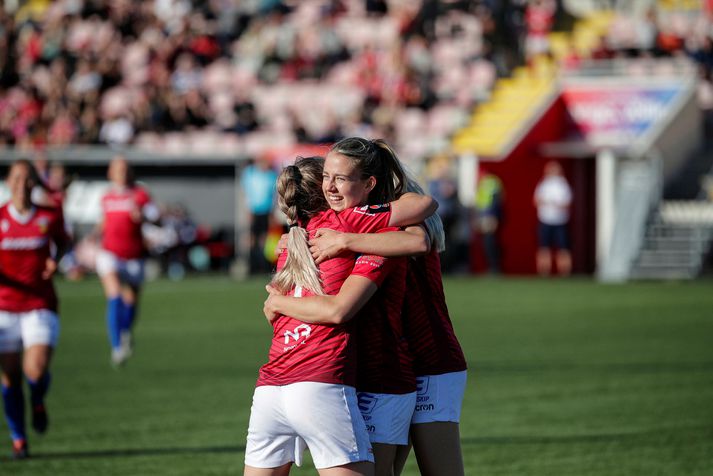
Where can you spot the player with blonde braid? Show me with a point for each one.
(305, 394)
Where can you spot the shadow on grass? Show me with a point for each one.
(131, 452)
(494, 368)
(692, 432)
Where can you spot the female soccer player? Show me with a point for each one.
(316, 363)
(120, 263)
(439, 362)
(385, 381)
(28, 303)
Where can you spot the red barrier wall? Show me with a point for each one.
(520, 172)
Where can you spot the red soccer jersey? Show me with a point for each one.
(385, 364)
(367, 219)
(24, 249)
(122, 210)
(302, 352)
(428, 327)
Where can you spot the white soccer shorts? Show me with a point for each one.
(20, 330)
(439, 397)
(129, 270)
(387, 416)
(324, 417)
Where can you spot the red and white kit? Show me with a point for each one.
(24, 249)
(305, 394)
(28, 303)
(123, 210)
(322, 353)
(386, 384)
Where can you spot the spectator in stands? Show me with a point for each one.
(135, 62)
(539, 18)
(117, 131)
(258, 183)
(88, 126)
(245, 116)
(553, 197)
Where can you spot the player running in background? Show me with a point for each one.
(120, 263)
(51, 191)
(439, 363)
(29, 325)
(316, 363)
(385, 379)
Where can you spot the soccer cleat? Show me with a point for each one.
(127, 343)
(39, 418)
(118, 357)
(20, 449)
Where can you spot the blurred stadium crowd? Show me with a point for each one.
(239, 76)
(236, 78)
(166, 73)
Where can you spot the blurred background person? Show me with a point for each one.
(488, 215)
(51, 188)
(258, 182)
(120, 263)
(553, 197)
(442, 187)
(51, 191)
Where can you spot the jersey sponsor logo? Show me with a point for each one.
(43, 224)
(371, 210)
(303, 330)
(366, 402)
(33, 243)
(425, 407)
(371, 260)
(119, 205)
(422, 385)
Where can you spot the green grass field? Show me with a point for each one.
(566, 378)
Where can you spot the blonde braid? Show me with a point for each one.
(300, 197)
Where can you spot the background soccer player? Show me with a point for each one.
(28, 303)
(120, 263)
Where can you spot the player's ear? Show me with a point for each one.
(370, 183)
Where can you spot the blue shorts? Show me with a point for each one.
(553, 236)
(439, 397)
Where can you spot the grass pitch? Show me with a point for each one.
(566, 378)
